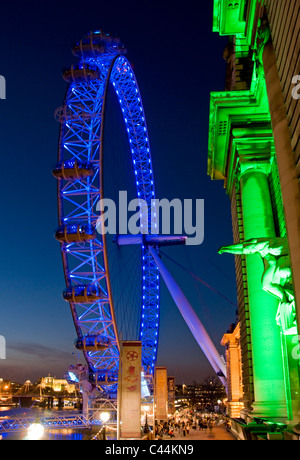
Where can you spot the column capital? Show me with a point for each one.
(254, 148)
(230, 341)
(251, 165)
(232, 338)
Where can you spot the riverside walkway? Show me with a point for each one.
(218, 433)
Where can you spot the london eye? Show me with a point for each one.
(89, 256)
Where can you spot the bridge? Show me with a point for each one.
(60, 421)
(28, 400)
(22, 424)
(43, 394)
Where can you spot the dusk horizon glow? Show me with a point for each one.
(178, 61)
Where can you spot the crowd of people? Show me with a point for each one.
(181, 426)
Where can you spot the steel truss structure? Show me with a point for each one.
(69, 421)
(80, 176)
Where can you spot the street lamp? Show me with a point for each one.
(35, 431)
(104, 416)
(146, 427)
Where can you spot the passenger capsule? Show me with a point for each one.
(91, 45)
(96, 43)
(73, 170)
(76, 233)
(92, 343)
(80, 73)
(83, 294)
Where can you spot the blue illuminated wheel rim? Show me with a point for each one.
(80, 176)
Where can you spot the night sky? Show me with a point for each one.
(178, 62)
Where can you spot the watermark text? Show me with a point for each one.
(2, 347)
(162, 216)
(2, 87)
(296, 89)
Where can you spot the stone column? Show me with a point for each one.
(265, 334)
(231, 341)
(289, 181)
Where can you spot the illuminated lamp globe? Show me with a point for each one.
(104, 416)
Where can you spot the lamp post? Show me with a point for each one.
(146, 427)
(104, 416)
(35, 430)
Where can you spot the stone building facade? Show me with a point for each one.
(254, 130)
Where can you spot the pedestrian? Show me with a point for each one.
(187, 428)
(171, 433)
(180, 430)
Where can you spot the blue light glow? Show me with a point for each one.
(72, 377)
(79, 144)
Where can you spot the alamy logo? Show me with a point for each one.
(296, 89)
(296, 348)
(2, 87)
(2, 347)
(160, 217)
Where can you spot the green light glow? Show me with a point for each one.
(216, 15)
(241, 152)
(228, 17)
(233, 108)
(266, 345)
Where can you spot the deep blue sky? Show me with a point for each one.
(178, 62)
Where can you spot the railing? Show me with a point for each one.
(70, 422)
(67, 422)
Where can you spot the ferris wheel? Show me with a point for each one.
(83, 180)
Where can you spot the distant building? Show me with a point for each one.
(201, 396)
(57, 385)
(231, 342)
(254, 147)
(5, 389)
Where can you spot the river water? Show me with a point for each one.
(75, 434)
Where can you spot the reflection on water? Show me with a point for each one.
(23, 412)
(52, 435)
(49, 434)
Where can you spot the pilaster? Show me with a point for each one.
(258, 221)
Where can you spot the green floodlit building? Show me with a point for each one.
(254, 132)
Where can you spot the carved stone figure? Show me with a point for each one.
(277, 275)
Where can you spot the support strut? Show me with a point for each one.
(192, 320)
